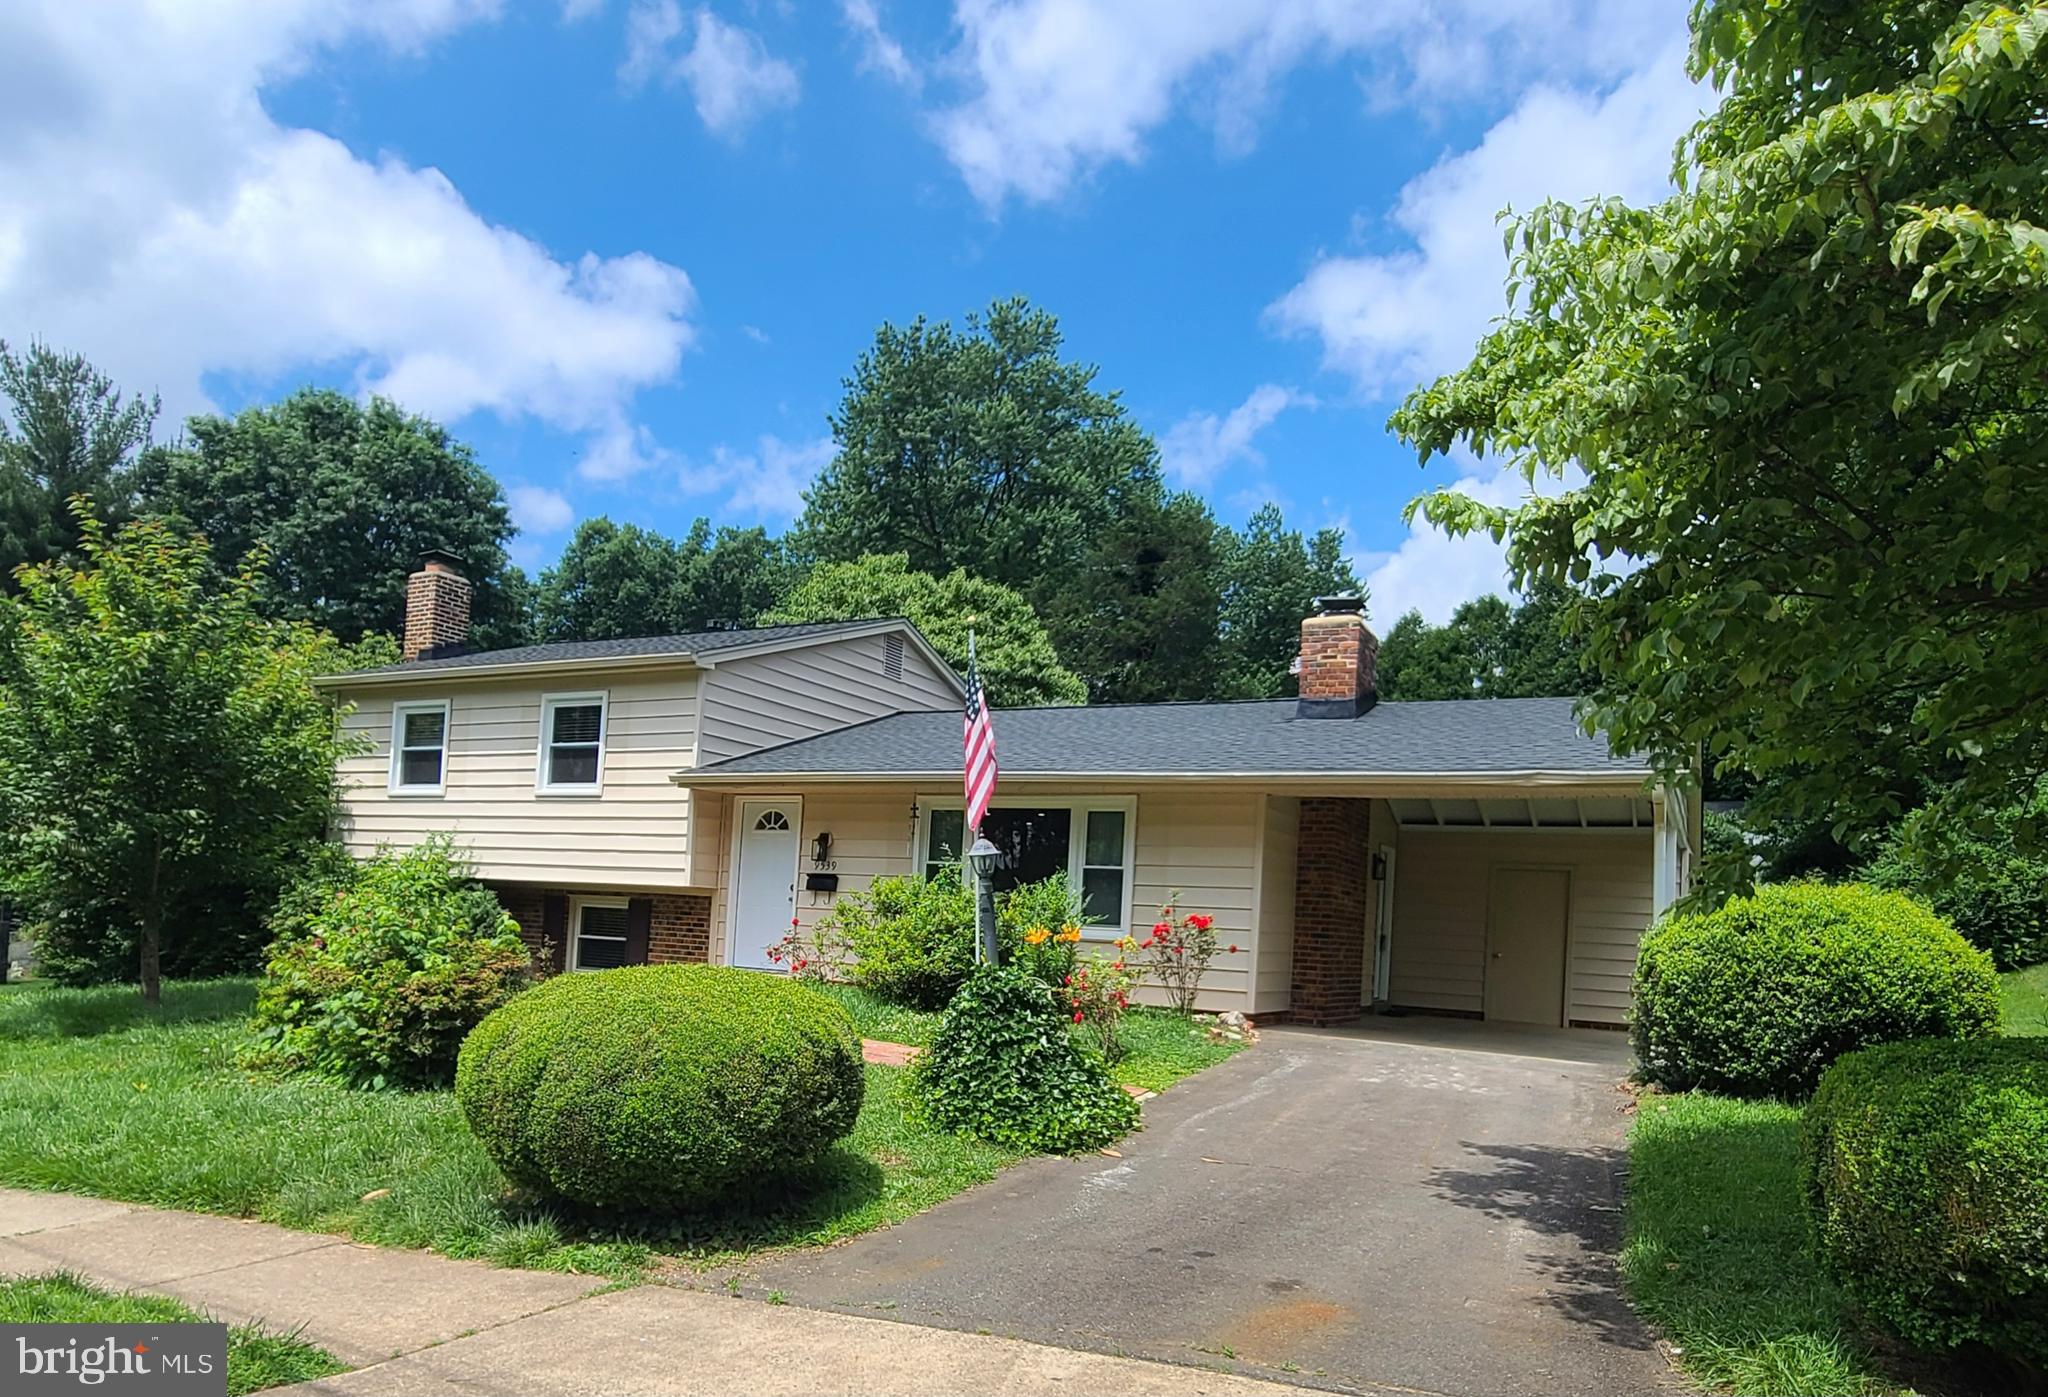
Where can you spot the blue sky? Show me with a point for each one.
(628, 248)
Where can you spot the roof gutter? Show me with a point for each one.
(1630, 781)
(456, 673)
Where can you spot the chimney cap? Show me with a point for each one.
(441, 560)
(1343, 604)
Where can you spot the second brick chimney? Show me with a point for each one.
(1339, 660)
(436, 608)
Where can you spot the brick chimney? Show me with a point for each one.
(436, 608)
(1339, 660)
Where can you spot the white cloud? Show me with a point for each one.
(755, 333)
(158, 220)
(879, 53)
(732, 77)
(1433, 573)
(1393, 319)
(1196, 449)
(1058, 89)
(538, 510)
(766, 483)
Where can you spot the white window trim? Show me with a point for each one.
(1077, 843)
(576, 906)
(548, 704)
(395, 783)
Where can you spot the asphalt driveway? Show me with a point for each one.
(1421, 1206)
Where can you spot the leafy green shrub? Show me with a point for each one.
(912, 939)
(1990, 881)
(1927, 1183)
(1038, 927)
(1003, 1066)
(379, 973)
(1757, 998)
(661, 1087)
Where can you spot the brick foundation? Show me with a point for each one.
(1331, 906)
(678, 930)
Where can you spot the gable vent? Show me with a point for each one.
(892, 657)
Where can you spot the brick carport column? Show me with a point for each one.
(1330, 908)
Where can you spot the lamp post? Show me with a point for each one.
(982, 859)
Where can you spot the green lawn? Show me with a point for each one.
(99, 1095)
(1717, 1251)
(1164, 1047)
(257, 1358)
(2025, 996)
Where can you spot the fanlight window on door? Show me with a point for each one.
(772, 819)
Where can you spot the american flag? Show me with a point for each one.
(981, 745)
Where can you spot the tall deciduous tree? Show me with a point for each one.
(1810, 397)
(1271, 578)
(158, 737)
(344, 498)
(1018, 663)
(616, 580)
(984, 449)
(1486, 650)
(66, 432)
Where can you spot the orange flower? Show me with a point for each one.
(1070, 932)
(1036, 936)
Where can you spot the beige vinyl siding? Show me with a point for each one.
(764, 700)
(1275, 929)
(634, 834)
(1442, 886)
(1201, 845)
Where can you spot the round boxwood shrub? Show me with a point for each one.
(1757, 998)
(1927, 1183)
(1003, 1066)
(660, 1087)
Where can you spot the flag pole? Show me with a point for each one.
(981, 855)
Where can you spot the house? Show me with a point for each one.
(691, 797)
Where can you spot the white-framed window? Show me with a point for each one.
(597, 933)
(419, 747)
(572, 728)
(1093, 840)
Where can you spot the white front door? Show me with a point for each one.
(764, 881)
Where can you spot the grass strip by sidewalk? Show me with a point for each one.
(100, 1095)
(1718, 1255)
(257, 1358)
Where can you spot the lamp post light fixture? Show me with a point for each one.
(982, 859)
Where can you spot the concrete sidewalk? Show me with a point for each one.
(415, 1323)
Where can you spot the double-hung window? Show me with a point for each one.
(571, 744)
(600, 934)
(419, 747)
(1088, 840)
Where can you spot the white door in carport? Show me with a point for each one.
(764, 883)
(1525, 945)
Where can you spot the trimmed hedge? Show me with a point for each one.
(660, 1087)
(1927, 1183)
(1004, 1066)
(1757, 998)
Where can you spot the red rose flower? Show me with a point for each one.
(1078, 1016)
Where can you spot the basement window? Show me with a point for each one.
(600, 935)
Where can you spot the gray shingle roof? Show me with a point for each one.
(1193, 739)
(639, 647)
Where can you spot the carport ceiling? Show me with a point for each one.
(1535, 812)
